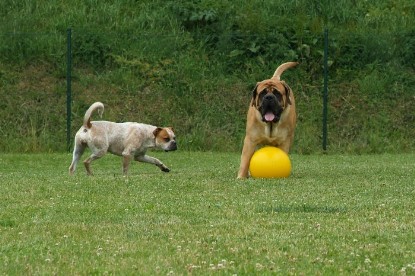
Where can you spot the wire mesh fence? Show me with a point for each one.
(200, 82)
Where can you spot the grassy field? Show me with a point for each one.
(336, 214)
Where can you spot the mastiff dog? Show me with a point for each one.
(271, 117)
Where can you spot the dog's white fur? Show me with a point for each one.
(129, 140)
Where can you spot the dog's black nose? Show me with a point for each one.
(269, 97)
(173, 146)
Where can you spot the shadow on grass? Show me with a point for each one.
(7, 223)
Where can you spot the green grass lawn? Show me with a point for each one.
(336, 214)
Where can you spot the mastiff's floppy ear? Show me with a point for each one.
(254, 94)
(287, 92)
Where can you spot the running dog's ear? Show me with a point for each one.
(157, 131)
(287, 92)
(254, 95)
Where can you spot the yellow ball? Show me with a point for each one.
(270, 162)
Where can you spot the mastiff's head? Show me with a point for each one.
(271, 97)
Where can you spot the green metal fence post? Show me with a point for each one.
(68, 88)
(325, 90)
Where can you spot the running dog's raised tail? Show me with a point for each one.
(95, 106)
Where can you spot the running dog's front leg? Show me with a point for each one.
(126, 159)
(152, 160)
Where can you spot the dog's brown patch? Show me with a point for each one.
(161, 133)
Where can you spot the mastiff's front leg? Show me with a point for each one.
(247, 152)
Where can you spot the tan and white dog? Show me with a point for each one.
(271, 117)
(129, 140)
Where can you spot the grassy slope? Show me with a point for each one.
(192, 65)
(336, 214)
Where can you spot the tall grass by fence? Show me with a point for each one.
(42, 98)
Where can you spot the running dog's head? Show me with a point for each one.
(165, 138)
(271, 97)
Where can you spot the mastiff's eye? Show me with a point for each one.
(262, 94)
(277, 94)
(166, 139)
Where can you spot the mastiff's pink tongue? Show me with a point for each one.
(269, 117)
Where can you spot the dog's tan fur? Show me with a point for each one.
(129, 140)
(259, 131)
